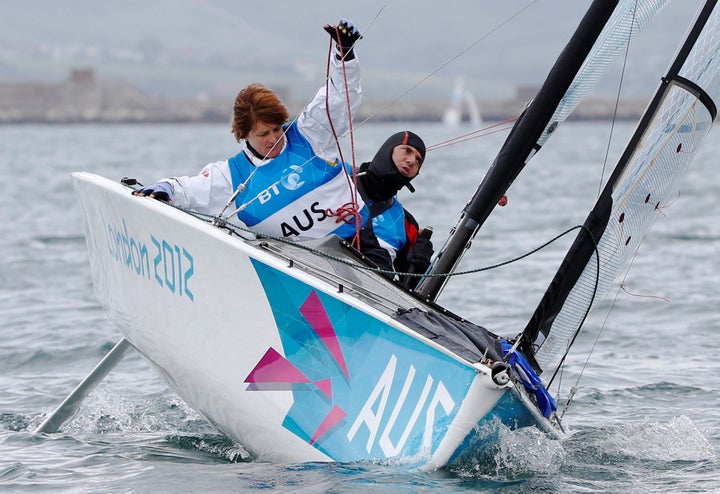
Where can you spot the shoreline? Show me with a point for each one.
(84, 99)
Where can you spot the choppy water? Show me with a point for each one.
(646, 416)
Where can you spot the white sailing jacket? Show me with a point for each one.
(302, 193)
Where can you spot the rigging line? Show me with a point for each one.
(449, 61)
(469, 136)
(621, 287)
(617, 99)
(351, 181)
(241, 187)
(509, 261)
(587, 310)
(624, 288)
(377, 14)
(574, 389)
(354, 194)
(365, 30)
(355, 213)
(233, 229)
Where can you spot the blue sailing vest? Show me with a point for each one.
(292, 195)
(389, 225)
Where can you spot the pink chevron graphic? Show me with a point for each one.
(332, 418)
(315, 314)
(274, 368)
(325, 385)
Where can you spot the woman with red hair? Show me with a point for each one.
(288, 180)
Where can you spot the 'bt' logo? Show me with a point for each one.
(292, 180)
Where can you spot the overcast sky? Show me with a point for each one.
(499, 44)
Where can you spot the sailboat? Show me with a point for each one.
(301, 352)
(452, 117)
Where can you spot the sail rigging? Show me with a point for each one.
(665, 141)
(603, 33)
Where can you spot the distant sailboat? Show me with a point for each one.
(454, 112)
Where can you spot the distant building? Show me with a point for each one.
(82, 76)
(526, 93)
(84, 98)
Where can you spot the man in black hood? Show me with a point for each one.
(394, 166)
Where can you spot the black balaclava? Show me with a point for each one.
(382, 180)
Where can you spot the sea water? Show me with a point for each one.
(645, 417)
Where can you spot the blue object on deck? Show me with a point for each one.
(530, 379)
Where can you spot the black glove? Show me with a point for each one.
(371, 249)
(421, 253)
(345, 35)
(419, 258)
(162, 191)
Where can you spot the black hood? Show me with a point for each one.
(381, 179)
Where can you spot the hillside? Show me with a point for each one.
(413, 49)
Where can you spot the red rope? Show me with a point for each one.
(351, 208)
(474, 134)
(347, 213)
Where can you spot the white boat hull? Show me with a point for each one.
(287, 364)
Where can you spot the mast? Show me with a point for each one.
(667, 137)
(519, 147)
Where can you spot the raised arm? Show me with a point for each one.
(344, 80)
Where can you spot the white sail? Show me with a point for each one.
(453, 113)
(644, 182)
(628, 20)
(473, 109)
(462, 97)
(556, 100)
